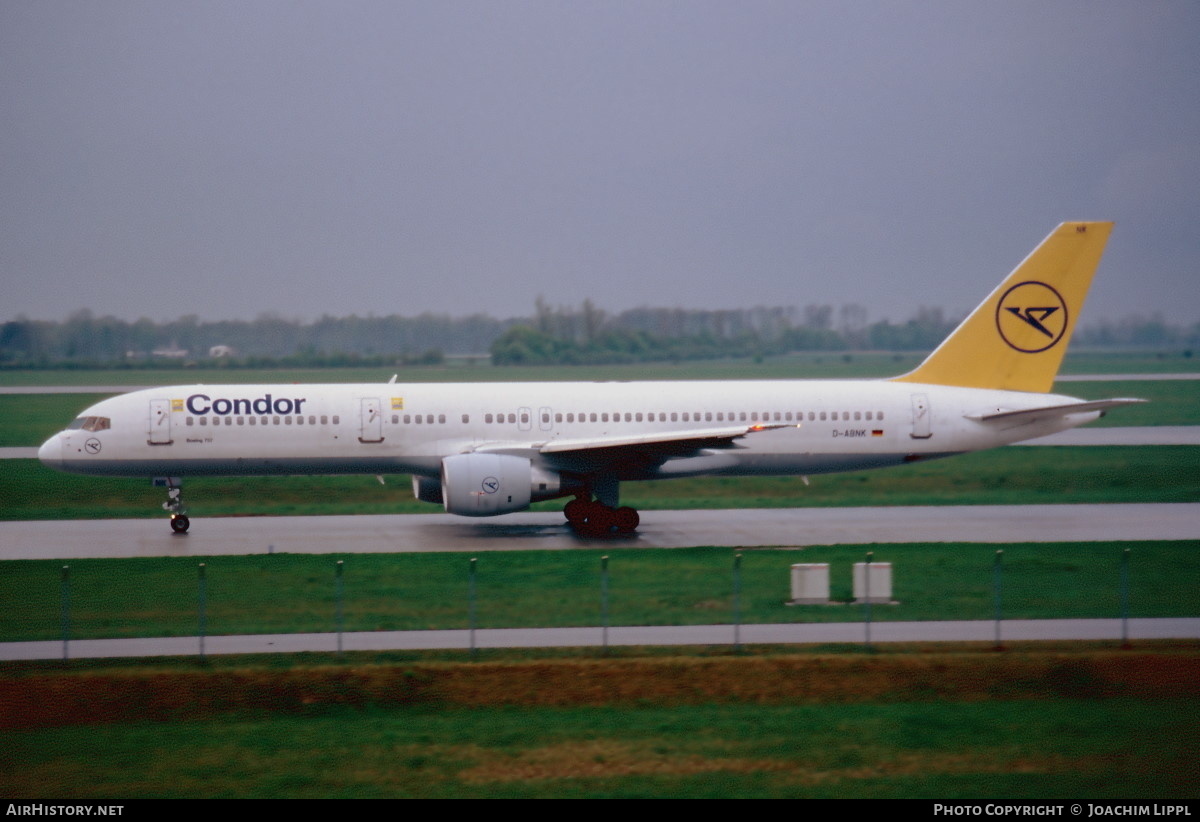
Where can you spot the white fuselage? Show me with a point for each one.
(827, 425)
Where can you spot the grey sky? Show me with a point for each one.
(227, 159)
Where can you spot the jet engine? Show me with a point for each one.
(427, 489)
(484, 485)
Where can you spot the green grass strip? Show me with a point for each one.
(284, 593)
(1043, 749)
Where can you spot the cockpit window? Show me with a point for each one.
(91, 423)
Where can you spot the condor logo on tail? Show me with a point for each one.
(1031, 317)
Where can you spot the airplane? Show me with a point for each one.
(481, 450)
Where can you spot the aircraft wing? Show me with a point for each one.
(701, 437)
(1052, 411)
(629, 454)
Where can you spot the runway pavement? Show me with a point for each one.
(749, 528)
(797, 633)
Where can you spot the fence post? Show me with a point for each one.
(471, 604)
(1125, 599)
(737, 602)
(340, 622)
(202, 615)
(65, 598)
(997, 593)
(867, 597)
(604, 603)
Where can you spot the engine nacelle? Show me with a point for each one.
(427, 489)
(483, 485)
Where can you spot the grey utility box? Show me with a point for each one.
(810, 583)
(875, 586)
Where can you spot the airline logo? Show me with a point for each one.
(1031, 317)
(202, 404)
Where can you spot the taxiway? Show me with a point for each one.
(749, 528)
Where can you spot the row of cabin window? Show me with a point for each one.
(312, 420)
(687, 416)
(427, 418)
(674, 416)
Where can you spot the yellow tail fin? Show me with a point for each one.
(1016, 338)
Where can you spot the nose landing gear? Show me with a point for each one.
(174, 504)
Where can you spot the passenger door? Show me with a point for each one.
(371, 421)
(160, 422)
(920, 417)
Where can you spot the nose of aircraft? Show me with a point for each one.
(51, 452)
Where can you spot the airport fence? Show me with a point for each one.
(291, 593)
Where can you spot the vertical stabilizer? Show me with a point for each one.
(1016, 338)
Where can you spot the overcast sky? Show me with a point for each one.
(228, 159)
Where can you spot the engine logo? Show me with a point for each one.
(490, 485)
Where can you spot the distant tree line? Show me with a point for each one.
(84, 339)
(565, 335)
(553, 334)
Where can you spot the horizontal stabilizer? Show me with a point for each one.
(1050, 411)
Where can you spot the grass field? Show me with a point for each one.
(944, 725)
(284, 593)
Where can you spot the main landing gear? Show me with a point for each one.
(593, 518)
(179, 520)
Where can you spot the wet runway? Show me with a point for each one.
(749, 528)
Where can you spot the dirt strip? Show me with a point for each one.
(89, 697)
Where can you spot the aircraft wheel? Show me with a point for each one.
(180, 523)
(626, 519)
(576, 512)
(599, 520)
